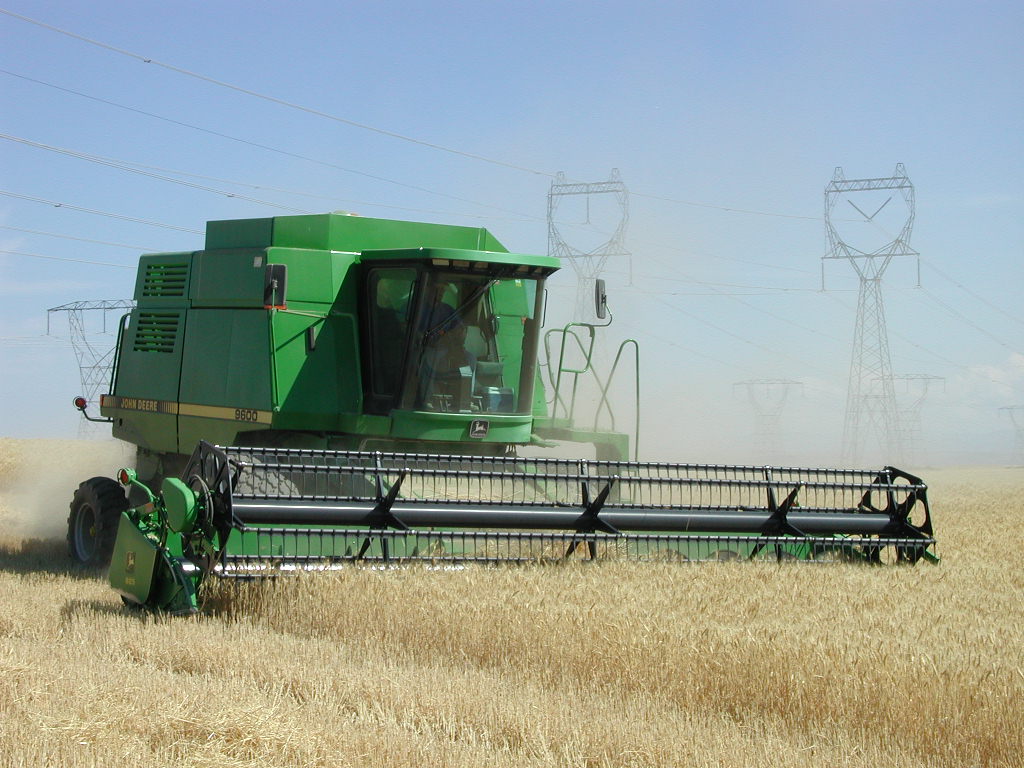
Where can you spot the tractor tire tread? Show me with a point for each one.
(109, 501)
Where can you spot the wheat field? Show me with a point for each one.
(615, 664)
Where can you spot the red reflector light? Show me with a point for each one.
(80, 403)
(122, 477)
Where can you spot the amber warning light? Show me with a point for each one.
(81, 403)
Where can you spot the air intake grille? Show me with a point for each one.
(156, 332)
(165, 280)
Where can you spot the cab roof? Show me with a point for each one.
(464, 259)
(345, 233)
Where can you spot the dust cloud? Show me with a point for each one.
(38, 479)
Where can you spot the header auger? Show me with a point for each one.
(376, 381)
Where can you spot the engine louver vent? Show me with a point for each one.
(165, 280)
(156, 332)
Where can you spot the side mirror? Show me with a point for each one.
(600, 299)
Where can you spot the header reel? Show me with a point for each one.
(253, 512)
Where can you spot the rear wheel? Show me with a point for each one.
(92, 525)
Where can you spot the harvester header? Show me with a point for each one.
(245, 512)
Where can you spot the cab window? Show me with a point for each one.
(390, 293)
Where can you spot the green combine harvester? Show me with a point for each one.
(312, 390)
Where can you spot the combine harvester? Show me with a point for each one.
(376, 382)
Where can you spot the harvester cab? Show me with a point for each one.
(332, 332)
(451, 336)
(308, 390)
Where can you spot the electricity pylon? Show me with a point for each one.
(871, 410)
(93, 349)
(588, 264)
(909, 407)
(768, 398)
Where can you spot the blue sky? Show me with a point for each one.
(739, 112)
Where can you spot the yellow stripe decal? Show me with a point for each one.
(247, 415)
(250, 415)
(138, 404)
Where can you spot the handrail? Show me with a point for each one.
(558, 398)
(636, 390)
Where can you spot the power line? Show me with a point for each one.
(61, 258)
(712, 293)
(694, 281)
(136, 248)
(333, 199)
(123, 166)
(971, 293)
(692, 254)
(729, 209)
(273, 99)
(931, 352)
(736, 336)
(279, 151)
(751, 262)
(108, 214)
(645, 328)
(34, 341)
(95, 212)
(364, 126)
(763, 311)
(966, 320)
(959, 285)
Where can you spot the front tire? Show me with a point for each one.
(92, 525)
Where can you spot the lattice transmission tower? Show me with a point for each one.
(913, 389)
(1016, 414)
(92, 345)
(768, 399)
(871, 412)
(589, 263)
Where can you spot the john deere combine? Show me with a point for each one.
(375, 381)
